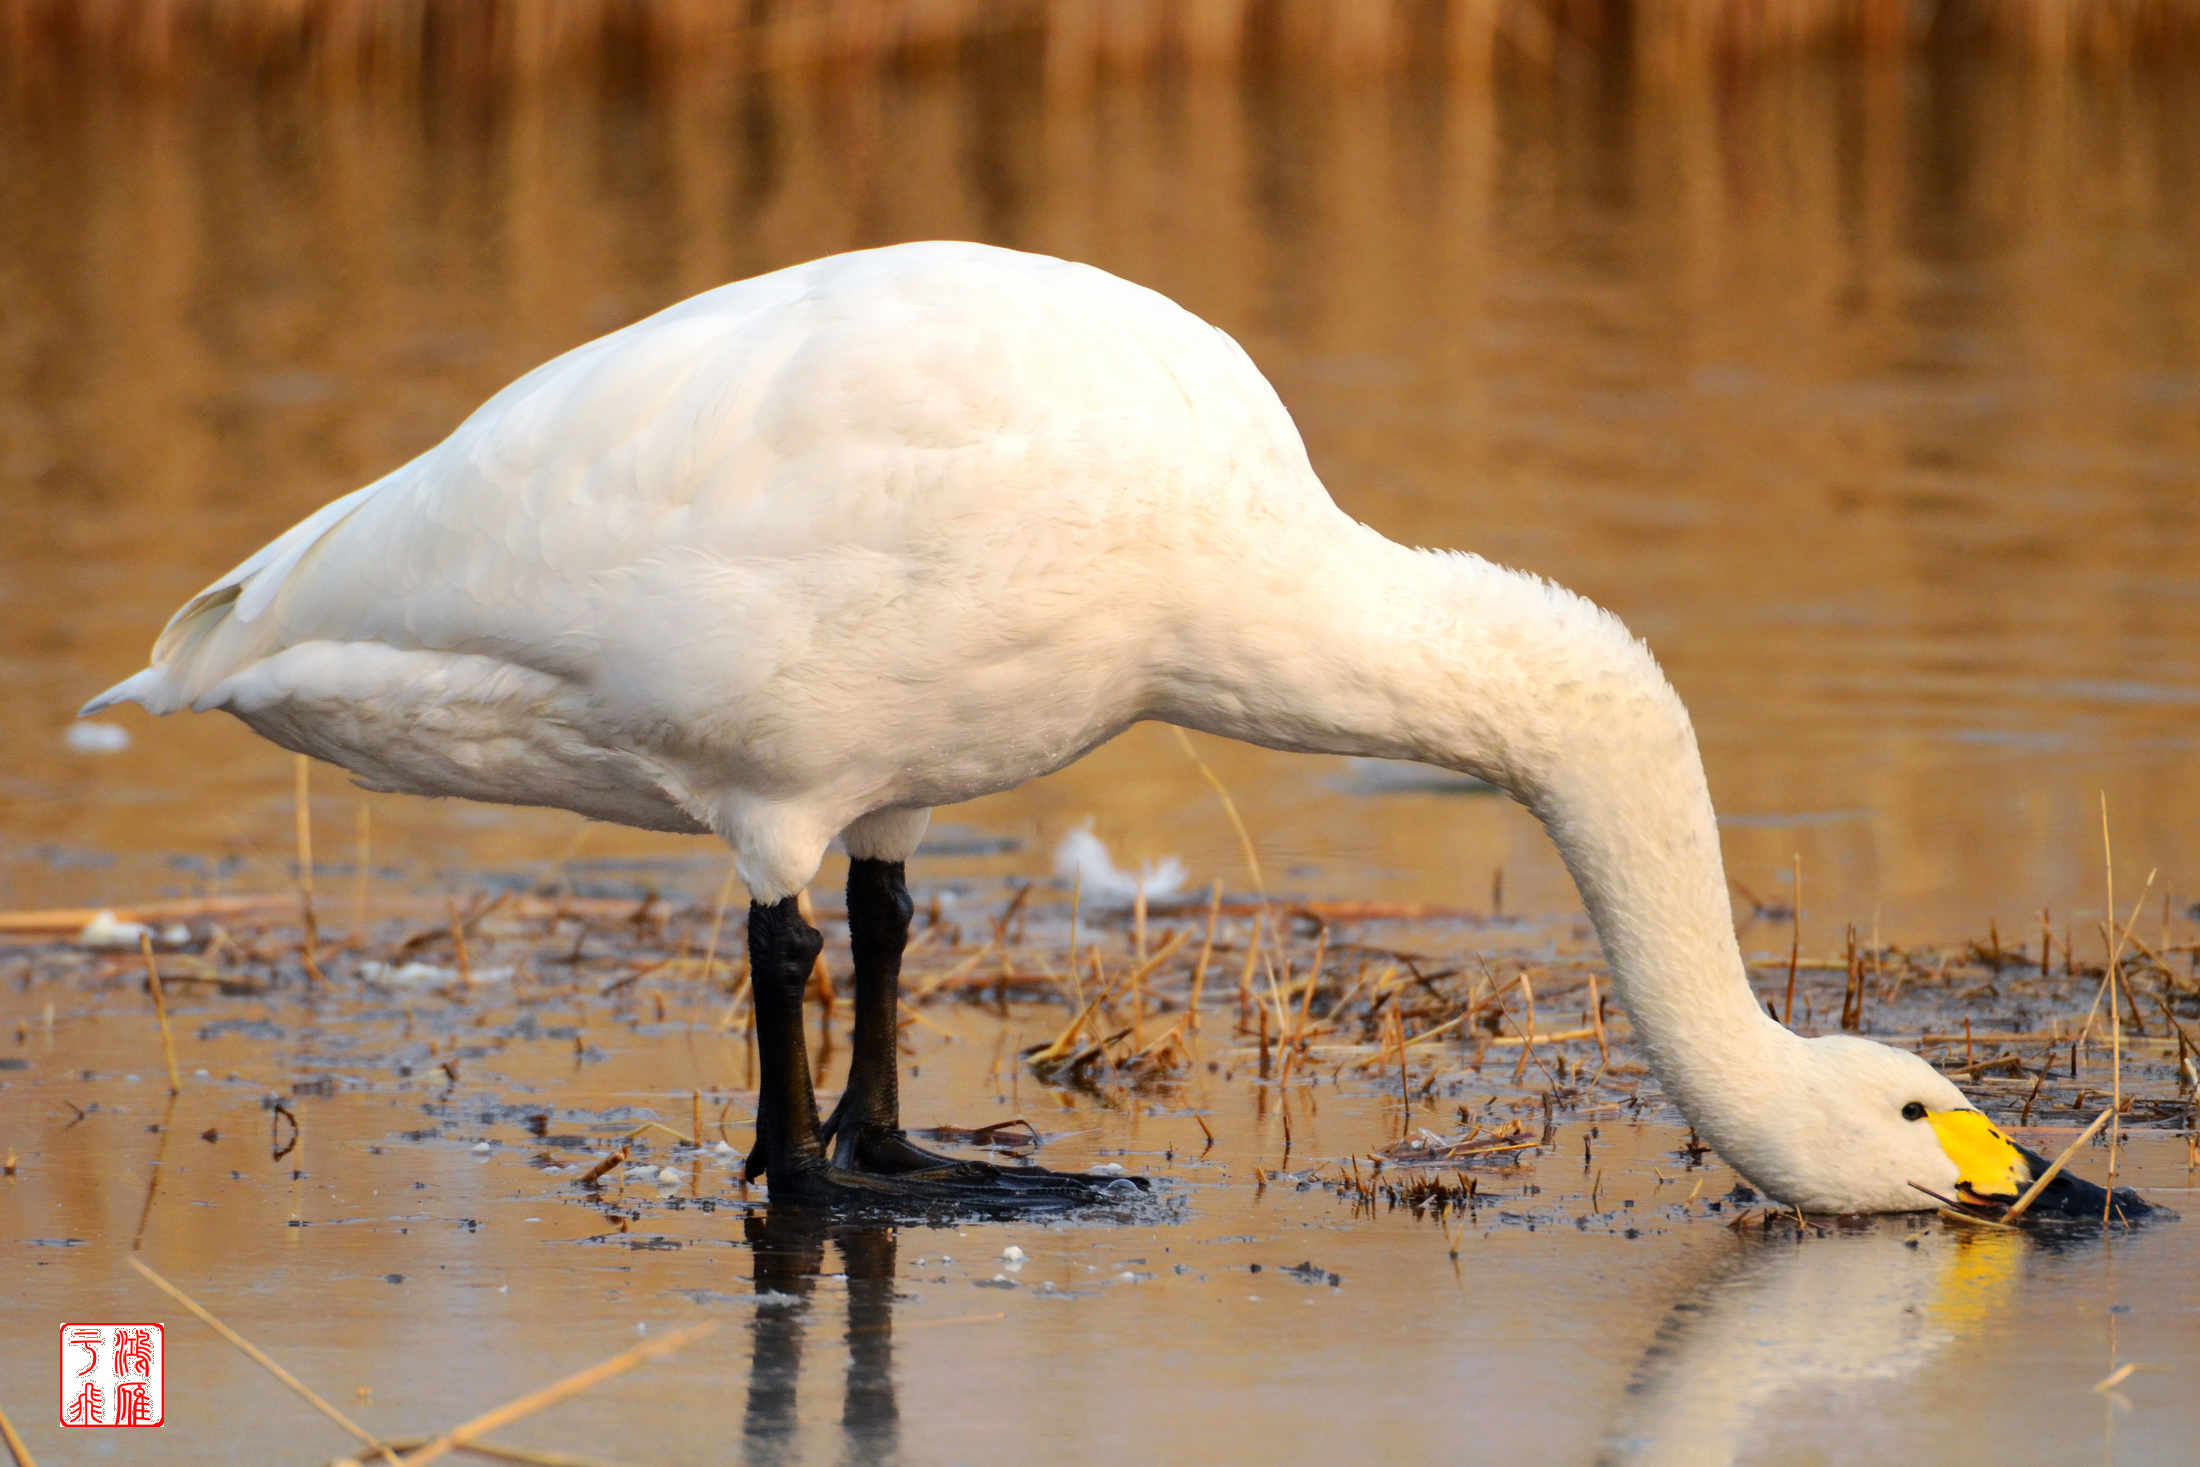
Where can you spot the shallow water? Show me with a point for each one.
(426, 1250)
(1871, 397)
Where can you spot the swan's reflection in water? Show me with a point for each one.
(789, 1245)
(1780, 1319)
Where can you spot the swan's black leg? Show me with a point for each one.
(865, 1130)
(874, 1167)
(782, 950)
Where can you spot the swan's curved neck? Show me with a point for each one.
(1369, 648)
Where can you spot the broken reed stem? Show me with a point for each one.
(260, 1358)
(302, 768)
(160, 1010)
(16, 1448)
(1206, 951)
(458, 1437)
(2054, 1169)
(458, 944)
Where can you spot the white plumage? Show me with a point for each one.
(813, 553)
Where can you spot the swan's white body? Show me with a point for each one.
(813, 553)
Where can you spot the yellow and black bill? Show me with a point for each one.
(1992, 1172)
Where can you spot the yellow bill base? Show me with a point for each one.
(1989, 1167)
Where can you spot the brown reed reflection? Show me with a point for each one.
(1863, 389)
(1073, 40)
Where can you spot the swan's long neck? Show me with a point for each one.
(1360, 646)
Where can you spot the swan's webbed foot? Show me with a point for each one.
(958, 1187)
(861, 1160)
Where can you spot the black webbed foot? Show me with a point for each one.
(860, 1160)
(960, 1188)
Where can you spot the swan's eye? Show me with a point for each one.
(1914, 1111)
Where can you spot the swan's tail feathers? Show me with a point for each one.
(212, 637)
(179, 671)
(142, 688)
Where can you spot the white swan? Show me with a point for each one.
(815, 552)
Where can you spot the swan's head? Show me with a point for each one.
(1872, 1125)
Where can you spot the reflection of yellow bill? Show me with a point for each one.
(1975, 1285)
(1989, 1167)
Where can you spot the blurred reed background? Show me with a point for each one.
(1079, 39)
(1861, 375)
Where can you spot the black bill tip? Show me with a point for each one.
(2071, 1198)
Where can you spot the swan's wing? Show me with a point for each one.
(949, 406)
(490, 541)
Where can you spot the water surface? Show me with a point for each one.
(1870, 396)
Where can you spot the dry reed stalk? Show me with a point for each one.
(152, 1181)
(1596, 1024)
(160, 1010)
(1429, 1035)
(1229, 809)
(960, 971)
(1206, 951)
(16, 1447)
(1064, 1043)
(1795, 941)
(1245, 974)
(461, 1436)
(2113, 939)
(458, 945)
(532, 1456)
(1076, 907)
(68, 921)
(595, 1173)
(302, 811)
(1529, 1039)
(2115, 1014)
(1405, 1088)
(1527, 1048)
(1294, 1037)
(2024, 1203)
(260, 1358)
(908, 1016)
(1136, 983)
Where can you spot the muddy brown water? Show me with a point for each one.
(1870, 396)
